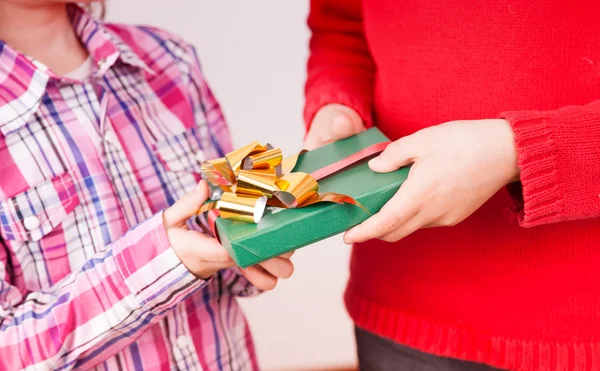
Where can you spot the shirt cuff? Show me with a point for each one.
(151, 269)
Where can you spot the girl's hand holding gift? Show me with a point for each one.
(204, 256)
(456, 167)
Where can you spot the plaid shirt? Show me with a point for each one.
(87, 276)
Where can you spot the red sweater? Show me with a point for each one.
(516, 285)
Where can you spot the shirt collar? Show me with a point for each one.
(23, 80)
(104, 46)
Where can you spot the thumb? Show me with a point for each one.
(186, 207)
(395, 156)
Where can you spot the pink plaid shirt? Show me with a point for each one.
(87, 277)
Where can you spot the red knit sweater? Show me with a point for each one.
(516, 285)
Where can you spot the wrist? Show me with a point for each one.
(512, 154)
(515, 172)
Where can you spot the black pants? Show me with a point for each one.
(378, 354)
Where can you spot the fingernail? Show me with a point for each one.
(373, 162)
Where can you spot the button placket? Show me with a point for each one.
(120, 171)
(101, 63)
(111, 137)
(182, 343)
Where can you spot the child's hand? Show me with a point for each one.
(203, 255)
(332, 122)
(457, 167)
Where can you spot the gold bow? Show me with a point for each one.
(248, 179)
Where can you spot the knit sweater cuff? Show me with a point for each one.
(543, 198)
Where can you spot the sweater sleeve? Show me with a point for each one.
(559, 157)
(340, 66)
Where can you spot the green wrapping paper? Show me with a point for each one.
(284, 230)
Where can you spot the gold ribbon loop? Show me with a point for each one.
(248, 179)
(245, 209)
(270, 159)
(256, 183)
(295, 188)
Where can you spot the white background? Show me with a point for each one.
(254, 55)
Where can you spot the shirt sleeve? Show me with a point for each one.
(340, 67)
(92, 313)
(559, 157)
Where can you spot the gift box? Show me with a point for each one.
(283, 230)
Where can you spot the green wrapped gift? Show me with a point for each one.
(282, 230)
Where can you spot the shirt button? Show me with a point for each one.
(184, 341)
(200, 157)
(111, 137)
(101, 63)
(31, 223)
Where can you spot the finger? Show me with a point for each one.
(201, 255)
(207, 269)
(288, 255)
(257, 276)
(186, 207)
(278, 267)
(411, 225)
(404, 205)
(444, 220)
(395, 156)
(432, 224)
(199, 246)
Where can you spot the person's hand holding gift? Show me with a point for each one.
(456, 167)
(332, 122)
(204, 256)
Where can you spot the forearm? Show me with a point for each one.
(340, 67)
